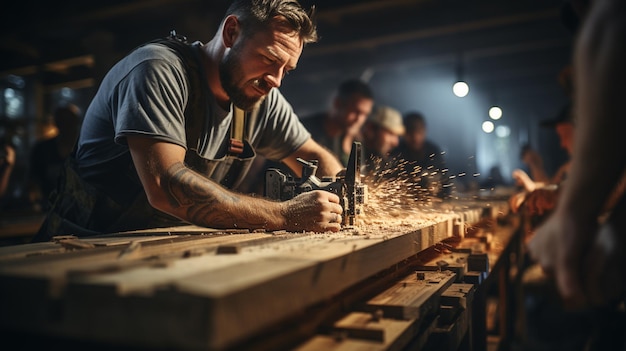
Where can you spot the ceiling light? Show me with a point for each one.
(495, 112)
(460, 89)
(488, 127)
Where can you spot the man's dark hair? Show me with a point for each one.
(414, 120)
(352, 87)
(257, 15)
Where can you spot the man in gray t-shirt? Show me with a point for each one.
(163, 140)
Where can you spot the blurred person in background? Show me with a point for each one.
(540, 197)
(7, 162)
(533, 160)
(420, 158)
(583, 242)
(338, 127)
(581, 246)
(48, 156)
(335, 129)
(381, 134)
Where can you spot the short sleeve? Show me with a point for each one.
(150, 101)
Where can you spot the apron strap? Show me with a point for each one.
(236, 132)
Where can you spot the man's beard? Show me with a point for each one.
(230, 72)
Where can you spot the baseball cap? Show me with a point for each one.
(389, 118)
(564, 115)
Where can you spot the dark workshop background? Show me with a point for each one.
(410, 51)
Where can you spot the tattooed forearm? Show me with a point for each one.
(185, 188)
(205, 202)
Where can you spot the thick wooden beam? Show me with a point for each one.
(178, 291)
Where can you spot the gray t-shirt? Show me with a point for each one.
(147, 93)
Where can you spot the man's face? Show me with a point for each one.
(255, 65)
(385, 141)
(415, 138)
(566, 135)
(352, 112)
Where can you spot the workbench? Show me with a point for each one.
(413, 283)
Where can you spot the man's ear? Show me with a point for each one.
(231, 31)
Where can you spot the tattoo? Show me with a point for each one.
(186, 188)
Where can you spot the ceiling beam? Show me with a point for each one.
(375, 42)
(335, 15)
(131, 8)
(443, 58)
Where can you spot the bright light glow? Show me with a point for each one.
(460, 89)
(495, 113)
(67, 92)
(503, 131)
(488, 126)
(9, 93)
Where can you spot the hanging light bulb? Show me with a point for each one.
(460, 89)
(488, 127)
(495, 112)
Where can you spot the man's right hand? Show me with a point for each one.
(317, 211)
(516, 200)
(523, 179)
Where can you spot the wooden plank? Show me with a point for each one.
(413, 297)
(108, 250)
(124, 238)
(455, 261)
(160, 297)
(398, 335)
(448, 337)
(382, 324)
(307, 268)
(454, 324)
(458, 295)
(38, 282)
(368, 326)
(306, 274)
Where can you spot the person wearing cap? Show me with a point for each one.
(540, 197)
(561, 124)
(381, 133)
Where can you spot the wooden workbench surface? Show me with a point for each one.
(198, 288)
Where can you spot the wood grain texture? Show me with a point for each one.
(170, 288)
